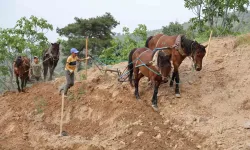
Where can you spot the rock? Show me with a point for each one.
(122, 142)
(158, 136)
(128, 131)
(139, 122)
(115, 93)
(247, 125)
(218, 143)
(198, 146)
(166, 122)
(157, 128)
(140, 133)
(189, 122)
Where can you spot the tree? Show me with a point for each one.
(98, 30)
(27, 37)
(196, 6)
(33, 30)
(174, 28)
(120, 49)
(219, 14)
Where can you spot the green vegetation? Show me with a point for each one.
(40, 104)
(26, 38)
(227, 17)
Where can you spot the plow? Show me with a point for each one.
(122, 75)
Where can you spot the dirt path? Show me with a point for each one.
(211, 114)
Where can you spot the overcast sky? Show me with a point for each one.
(153, 13)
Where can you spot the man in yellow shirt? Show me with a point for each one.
(69, 70)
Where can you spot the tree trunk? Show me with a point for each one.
(199, 18)
(11, 73)
(224, 21)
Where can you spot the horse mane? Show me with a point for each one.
(147, 41)
(187, 44)
(19, 61)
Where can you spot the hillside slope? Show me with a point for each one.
(211, 114)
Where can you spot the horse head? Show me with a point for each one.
(198, 52)
(194, 50)
(164, 65)
(19, 61)
(55, 50)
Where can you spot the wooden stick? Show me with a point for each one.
(86, 55)
(209, 43)
(61, 122)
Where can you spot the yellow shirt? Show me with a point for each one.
(71, 63)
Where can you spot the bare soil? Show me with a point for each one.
(102, 113)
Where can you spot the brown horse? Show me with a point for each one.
(181, 48)
(21, 70)
(50, 59)
(139, 64)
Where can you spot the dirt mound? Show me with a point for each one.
(102, 113)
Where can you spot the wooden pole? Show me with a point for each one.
(209, 43)
(86, 55)
(61, 122)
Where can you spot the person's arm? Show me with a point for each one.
(82, 59)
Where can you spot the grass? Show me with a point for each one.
(40, 104)
(83, 77)
(241, 40)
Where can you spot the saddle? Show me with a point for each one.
(177, 45)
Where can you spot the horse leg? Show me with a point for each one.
(51, 72)
(22, 84)
(177, 82)
(154, 98)
(45, 71)
(26, 80)
(138, 76)
(172, 79)
(17, 81)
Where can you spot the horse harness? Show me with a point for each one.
(145, 65)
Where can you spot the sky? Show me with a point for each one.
(153, 13)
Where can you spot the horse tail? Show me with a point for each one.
(131, 65)
(147, 41)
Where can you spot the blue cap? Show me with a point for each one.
(74, 50)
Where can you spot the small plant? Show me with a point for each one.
(40, 103)
(81, 91)
(71, 97)
(83, 77)
(243, 39)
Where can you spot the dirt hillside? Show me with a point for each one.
(102, 113)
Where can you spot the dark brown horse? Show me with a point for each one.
(139, 64)
(21, 70)
(181, 48)
(50, 59)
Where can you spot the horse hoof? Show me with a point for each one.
(138, 98)
(155, 107)
(178, 95)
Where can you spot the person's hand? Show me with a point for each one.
(87, 57)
